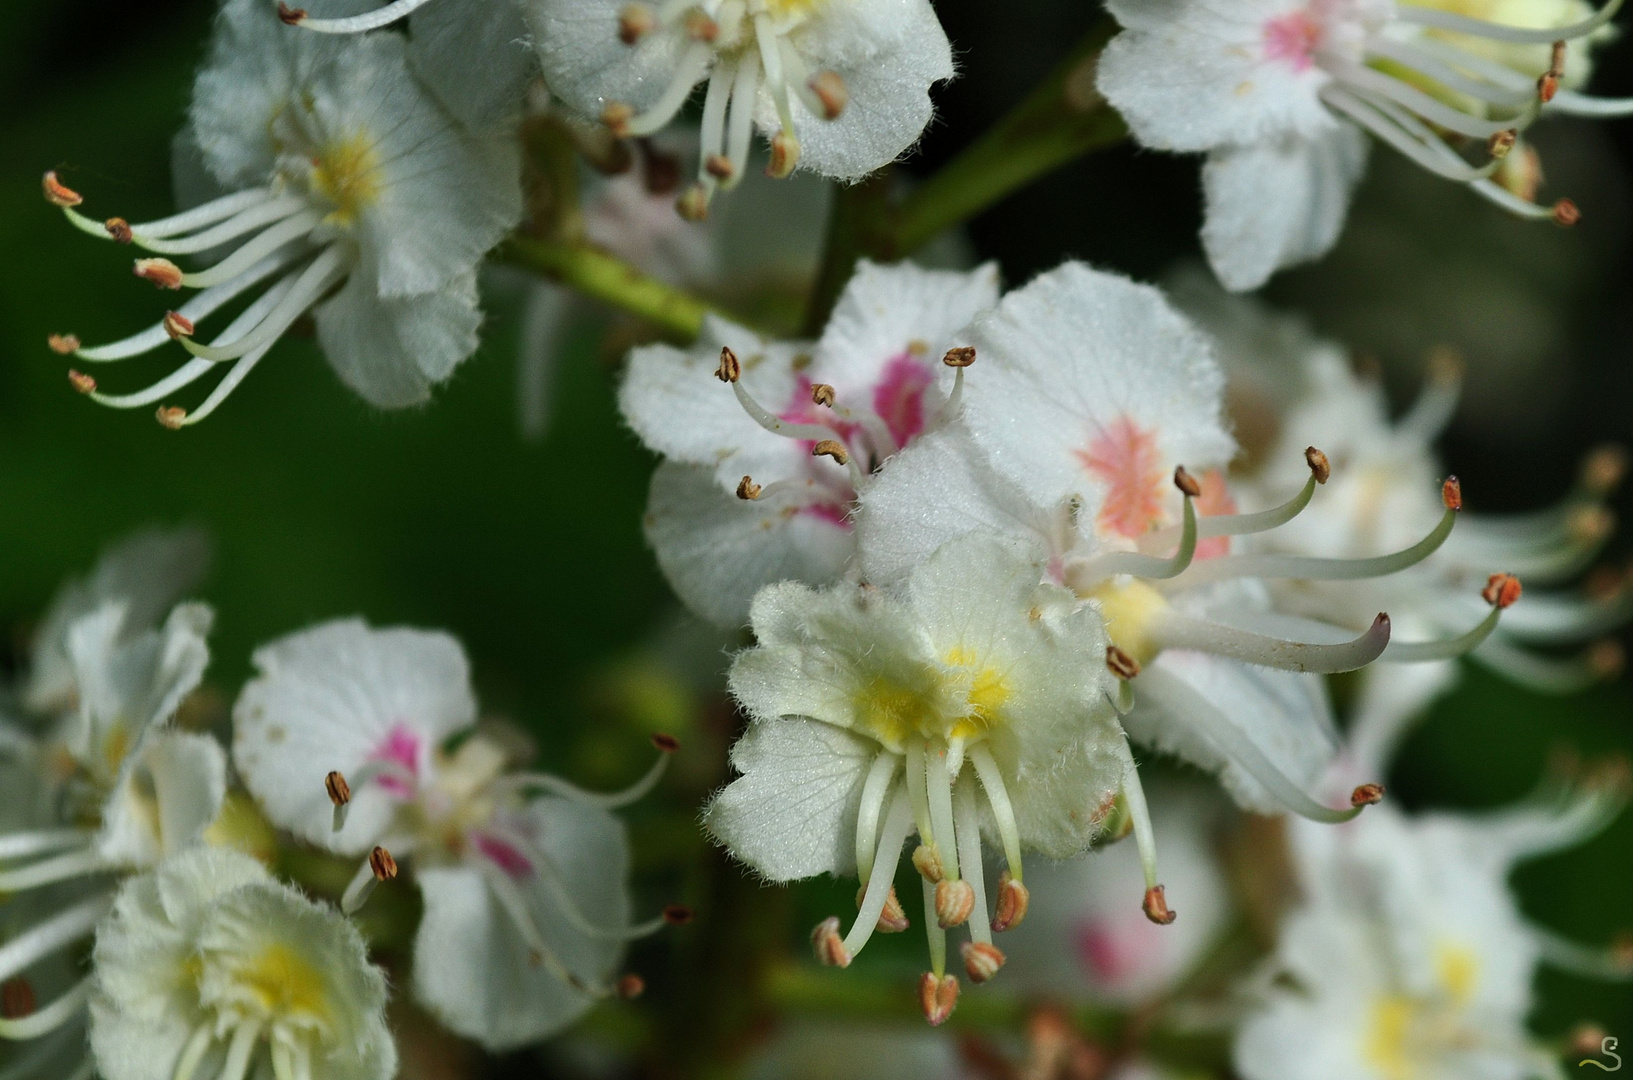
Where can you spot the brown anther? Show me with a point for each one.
(822, 394)
(340, 792)
(1187, 483)
(720, 167)
(631, 986)
(58, 193)
(729, 369)
(667, 744)
(1367, 795)
(171, 416)
(677, 914)
(292, 16)
(162, 272)
(693, 204)
(699, 27)
(1501, 591)
(938, 997)
(959, 356)
(63, 344)
(830, 448)
(177, 325)
(82, 382)
(1156, 907)
(17, 998)
(119, 229)
(981, 961)
(635, 21)
(383, 865)
(954, 902)
(1013, 900)
(1548, 83)
(784, 155)
(1566, 213)
(1501, 142)
(1606, 658)
(927, 861)
(828, 946)
(1451, 493)
(1320, 467)
(893, 919)
(1122, 665)
(1585, 1039)
(1603, 468)
(748, 490)
(616, 115)
(831, 90)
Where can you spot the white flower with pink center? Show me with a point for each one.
(343, 738)
(761, 475)
(1280, 93)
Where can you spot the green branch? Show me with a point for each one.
(596, 274)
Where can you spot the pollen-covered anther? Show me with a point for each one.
(119, 229)
(63, 344)
(1451, 493)
(177, 325)
(828, 946)
(960, 356)
(1548, 82)
(82, 382)
(665, 743)
(616, 115)
(720, 167)
(1013, 900)
(1156, 906)
(631, 986)
(17, 999)
(1320, 467)
(981, 960)
(171, 416)
(831, 91)
(892, 919)
(784, 155)
(1367, 795)
(677, 914)
(1566, 213)
(954, 902)
(699, 27)
(635, 21)
(748, 490)
(340, 792)
(291, 16)
(693, 203)
(927, 861)
(729, 369)
(1187, 483)
(58, 193)
(162, 272)
(1501, 590)
(1122, 665)
(938, 997)
(383, 866)
(822, 394)
(833, 449)
(1501, 142)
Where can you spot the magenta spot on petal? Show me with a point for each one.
(403, 746)
(502, 854)
(1111, 952)
(899, 396)
(1292, 38)
(802, 410)
(830, 513)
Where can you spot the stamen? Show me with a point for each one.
(261, 214)
(1614, 964)
(162, 272)
(515, 905)
(50, 1018)
(1573, 104)
(1003, 811)
(831, 93)
(192, 1054)
(938, 997)
(1155, 906)
(665, 745)
(1546, 618)
(745, 90)
(1084, 575)
(898, 823)
(58, 193)
(826, 946)
(630, 986)
(239, 1051)
(340, 794)
(63, 344)
(1120, 664)
(1463, 24)
(1424, 62)
(981, 960)
(62, 868)
(1436, 402)
(935, 935)
(1600, 662)
(264, 243)
(204, 215)
(229, 382)
(1562, 212)
(1013, 902)
(545, 869)
(378, 867)
(1369, 82)
(693, 65)
(1246, 524)
(1171, 630)
(47, 937)
(19, 845)
(713, 164)
(1398, 132)
(330, 266)
(875, 789)
(914, 772)
(939, 793)
(635, 21)
(358, 24)
(968, 824)
(1145, 837)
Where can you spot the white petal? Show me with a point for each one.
(1278, 203)
(165, 803)
(585, 64)
(476, 58)
(246, 81)
(393, 351)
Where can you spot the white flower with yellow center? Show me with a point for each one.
(841, 87)
(1280, 93)
(209, 967)
(351, 191)
(969, 702)
(342, 738)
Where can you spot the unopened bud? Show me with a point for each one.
(616, 115)
(960, 356)
(693, 204)
(828, 946)
(631, 986)
(1186, 482)
(784, 155)
(1501, 590)
(177, 325)
(699, 27)
(1603, 468)
(1013, 900)
(1451, 493)
(667, 744)
(58, 193)
(822, 394)
(1566, 213)
(830, 448)
(171, 416)
(1320, 467)
(1501, 142)
(1122, 665)
(162, 272)
(954, 902)
(831, 91)
(1156, 906)
(981, 961)
(729, 370)
(938, 997)
(292, 16)
(720, 167)
(927, 861)
(340, 792)
(17, 999)
(748, 490)
(119, 229)
(1367, 795)
(81, 382)
(635, 21)
(382, 864)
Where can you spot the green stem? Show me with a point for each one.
(604, 277)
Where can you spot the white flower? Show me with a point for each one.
(808, 425)
(341, 738)
(1278, 94)
(840, 87)
(876, 714)
(345, 176)
(210, 967)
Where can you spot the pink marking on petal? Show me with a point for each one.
(837, 516)
(1113, 951)
(802, 410)
(1293, 38)
(899, 396)
(502, 854)
(1127, 459)
(403, 746)
(1215, 499)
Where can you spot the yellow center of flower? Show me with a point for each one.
(1407, 1035)
(792, 9)
(287, 984)
(1128, 609)
(962, 700)
(346, 172)
(987, 693)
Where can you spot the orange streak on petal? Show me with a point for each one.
(1127, 459)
